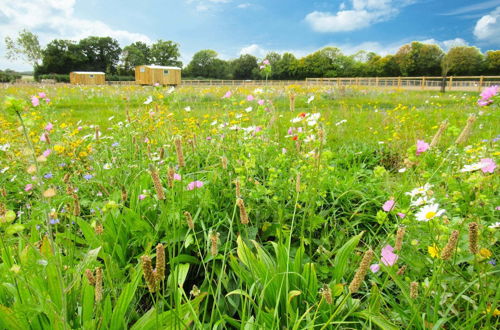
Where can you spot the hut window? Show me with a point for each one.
(165, 72)
(91, 76)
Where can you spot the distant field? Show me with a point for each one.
(297, 207)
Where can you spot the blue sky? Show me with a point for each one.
(233, 27)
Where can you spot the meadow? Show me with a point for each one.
(248, 208)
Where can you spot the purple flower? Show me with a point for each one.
(261, 102)
(48, 176)
(389, 258)
(492, 262)
(54, 221)
(142, 196)
(194, 185)
(47, 152)
(116, 144)
(375, 268)
(250, 98)
(421, 146)
(88, 176)
(389, 205)
(177, 177)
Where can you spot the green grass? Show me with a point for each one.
(313, 197)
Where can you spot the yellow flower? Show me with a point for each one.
(433, 251)
(485, 253)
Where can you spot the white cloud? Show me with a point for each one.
(487, 28)
(254, 50)
(475, 7)
(50, 19)
(363, 14)
(243, 5)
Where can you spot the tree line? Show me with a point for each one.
(105, 54)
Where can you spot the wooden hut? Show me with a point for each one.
(155, 74)
(87, 78)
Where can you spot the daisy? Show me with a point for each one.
(429, 212)
(420, 190)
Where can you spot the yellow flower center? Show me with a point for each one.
(430, 215)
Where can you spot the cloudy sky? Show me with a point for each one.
(234, 27)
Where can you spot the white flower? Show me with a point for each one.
(310, 99)
(258, 91)
(213, 123)
(148, 100)
(111, 118)
(4, 147)
(422, 201)
(188, 108)
(248, 109)
(495, 225)
(5, 169)
(341, 122)
(309, 138)
(171, 90)
(473, 167)
(314, 116)
(296, 120)
(238, 116)
(107, 166)
(402, 170)
(429, 212)
(420, 190)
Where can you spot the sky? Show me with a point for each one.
(235, 27)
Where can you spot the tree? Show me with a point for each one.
(165, 53)
(135, 54)
(463, 60)
(206, 64)
(61, 56)
(101, 54)
(286, 67)
(492, 62)
(243, 67)
(26, 47)
(418, 59)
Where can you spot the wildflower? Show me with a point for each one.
(420, 190)
(53, 221)
(414, 290)
(433, 251)
(485, 253)
(375, 268)
(28, 187)
(157, 183)
(261, 102)
(227, 95)
(487, 94)
(389, 205)
(147, 269)
(250, 98)
(473, 232)
(47, 152)
(49, 127)
(389, 258)
(88, 176)
(496, 225)
(148, 100)
(48, 176)
(42, 95)
(214, 240)
(90, 276)
(488, 165)
(51, 192)
(429, 212)
(187, 109)
(310, 99)
(160, 262)
(450, 246)
(195, 184)
(35, 101)
(107, 166)
(439, 133)
(243, 212)
(421, 146)
(98, 284)
(401, 215)
(195, 292)
(361, 272)
(464, 135)
(142, 196)
(399, 238)
(401, 270)
(189, 220)
(326, 293)
(180, 154)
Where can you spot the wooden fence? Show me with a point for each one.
(464, 83)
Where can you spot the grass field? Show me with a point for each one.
(212, 208)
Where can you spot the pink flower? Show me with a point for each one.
(421, 146)
(49, 127)
(42, 95)
(43, 137)
(47, 100)
(194, 185)
(375, 268)
(489, 92)
(489, 165)
(47, 152)
(250, 98)
(261, 102)
(388, 257)
(227, 95)
(265, 62)
(141, 197)
(28, 187)
(258, 129)
(262, 67)
(35, 101)
(484, 103)
(401, 215)
(389, 205)
(177, 177)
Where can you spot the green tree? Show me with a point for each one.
(492, 62)
(463, 60)
(418, 59)
(165, 53)
(244, 67)
(137, 53)
(101, 54)
(206, 64)
(25, 47)
(61, 56)
(286, 67)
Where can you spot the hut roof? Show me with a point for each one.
(163, 67)
(88, 72)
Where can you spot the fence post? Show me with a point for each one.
(423, 82)
(399, 82)
(480, 83)
(451, 83)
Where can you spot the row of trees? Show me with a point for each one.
(415, 59)
(105, 54)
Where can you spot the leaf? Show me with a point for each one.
(292, 294)
(378, 320)
(340, 264)
(118, 319)
(9, 321)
